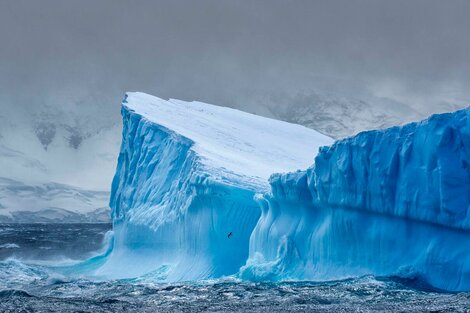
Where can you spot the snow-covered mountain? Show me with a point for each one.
(340, 115)
(56, 163)
(51, 202)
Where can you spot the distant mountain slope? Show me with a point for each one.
(340, 116)
(56, 163)
(51, 202)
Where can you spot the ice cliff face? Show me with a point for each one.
(392, 202)
(183, 195)
(419, 171)
(193, 198)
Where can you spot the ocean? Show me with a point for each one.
(33, 279)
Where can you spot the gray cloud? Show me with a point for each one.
(229, 52)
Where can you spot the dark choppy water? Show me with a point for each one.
(28, 283)
(51, 241)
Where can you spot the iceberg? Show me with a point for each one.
(183, 196)
(393, 202)
(203, 192)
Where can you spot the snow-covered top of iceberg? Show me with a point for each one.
(231, 140)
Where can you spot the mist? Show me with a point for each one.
(233, 53)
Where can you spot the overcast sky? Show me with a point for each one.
(228, 52)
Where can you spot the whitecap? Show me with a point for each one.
(9, 246)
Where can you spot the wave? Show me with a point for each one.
(9, 246)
